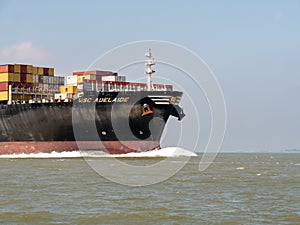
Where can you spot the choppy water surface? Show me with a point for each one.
(235, 189)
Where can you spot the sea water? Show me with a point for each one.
(238, 188)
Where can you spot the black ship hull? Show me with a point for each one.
(114, 122)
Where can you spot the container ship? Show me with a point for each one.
(89, 110)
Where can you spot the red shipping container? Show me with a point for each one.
(7, 68)
(23, 77)
(3, 86)
(84, 73)
(46, 71)
(23, 68)
(96, 72)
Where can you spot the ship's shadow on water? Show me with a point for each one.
(159, 153)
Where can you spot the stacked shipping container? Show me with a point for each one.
(28, 81)
(92, 85)
(78, 79)
(47, 83)
(8, 74)
(25, 80)
(97, 80)
(95, 72)
(93, 80)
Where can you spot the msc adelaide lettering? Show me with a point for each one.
(106, 100)
(121, 99)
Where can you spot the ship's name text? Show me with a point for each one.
(109, 100)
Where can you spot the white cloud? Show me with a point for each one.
(23, 52)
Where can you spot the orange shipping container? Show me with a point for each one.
(17, 97)
(86, 77)
(5, 77)
(34, 70)
(7, 68)
(17, 68)
(29, 78)
(15, 77)
(3, 95)
(51, 71)
(40, 70)
(29, 68)
(68, 89)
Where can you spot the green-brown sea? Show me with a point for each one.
(238, 188)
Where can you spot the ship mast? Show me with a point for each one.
(149, 62)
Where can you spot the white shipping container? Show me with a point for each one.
(50, 80)
(61, 80)
(46, 79)
(55, 80)
(109, 78)
(35, 79)
(72, 80)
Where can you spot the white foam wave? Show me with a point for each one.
(240, 168)
(164, 152)
(73, 154)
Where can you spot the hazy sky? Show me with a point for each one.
(253, 47)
